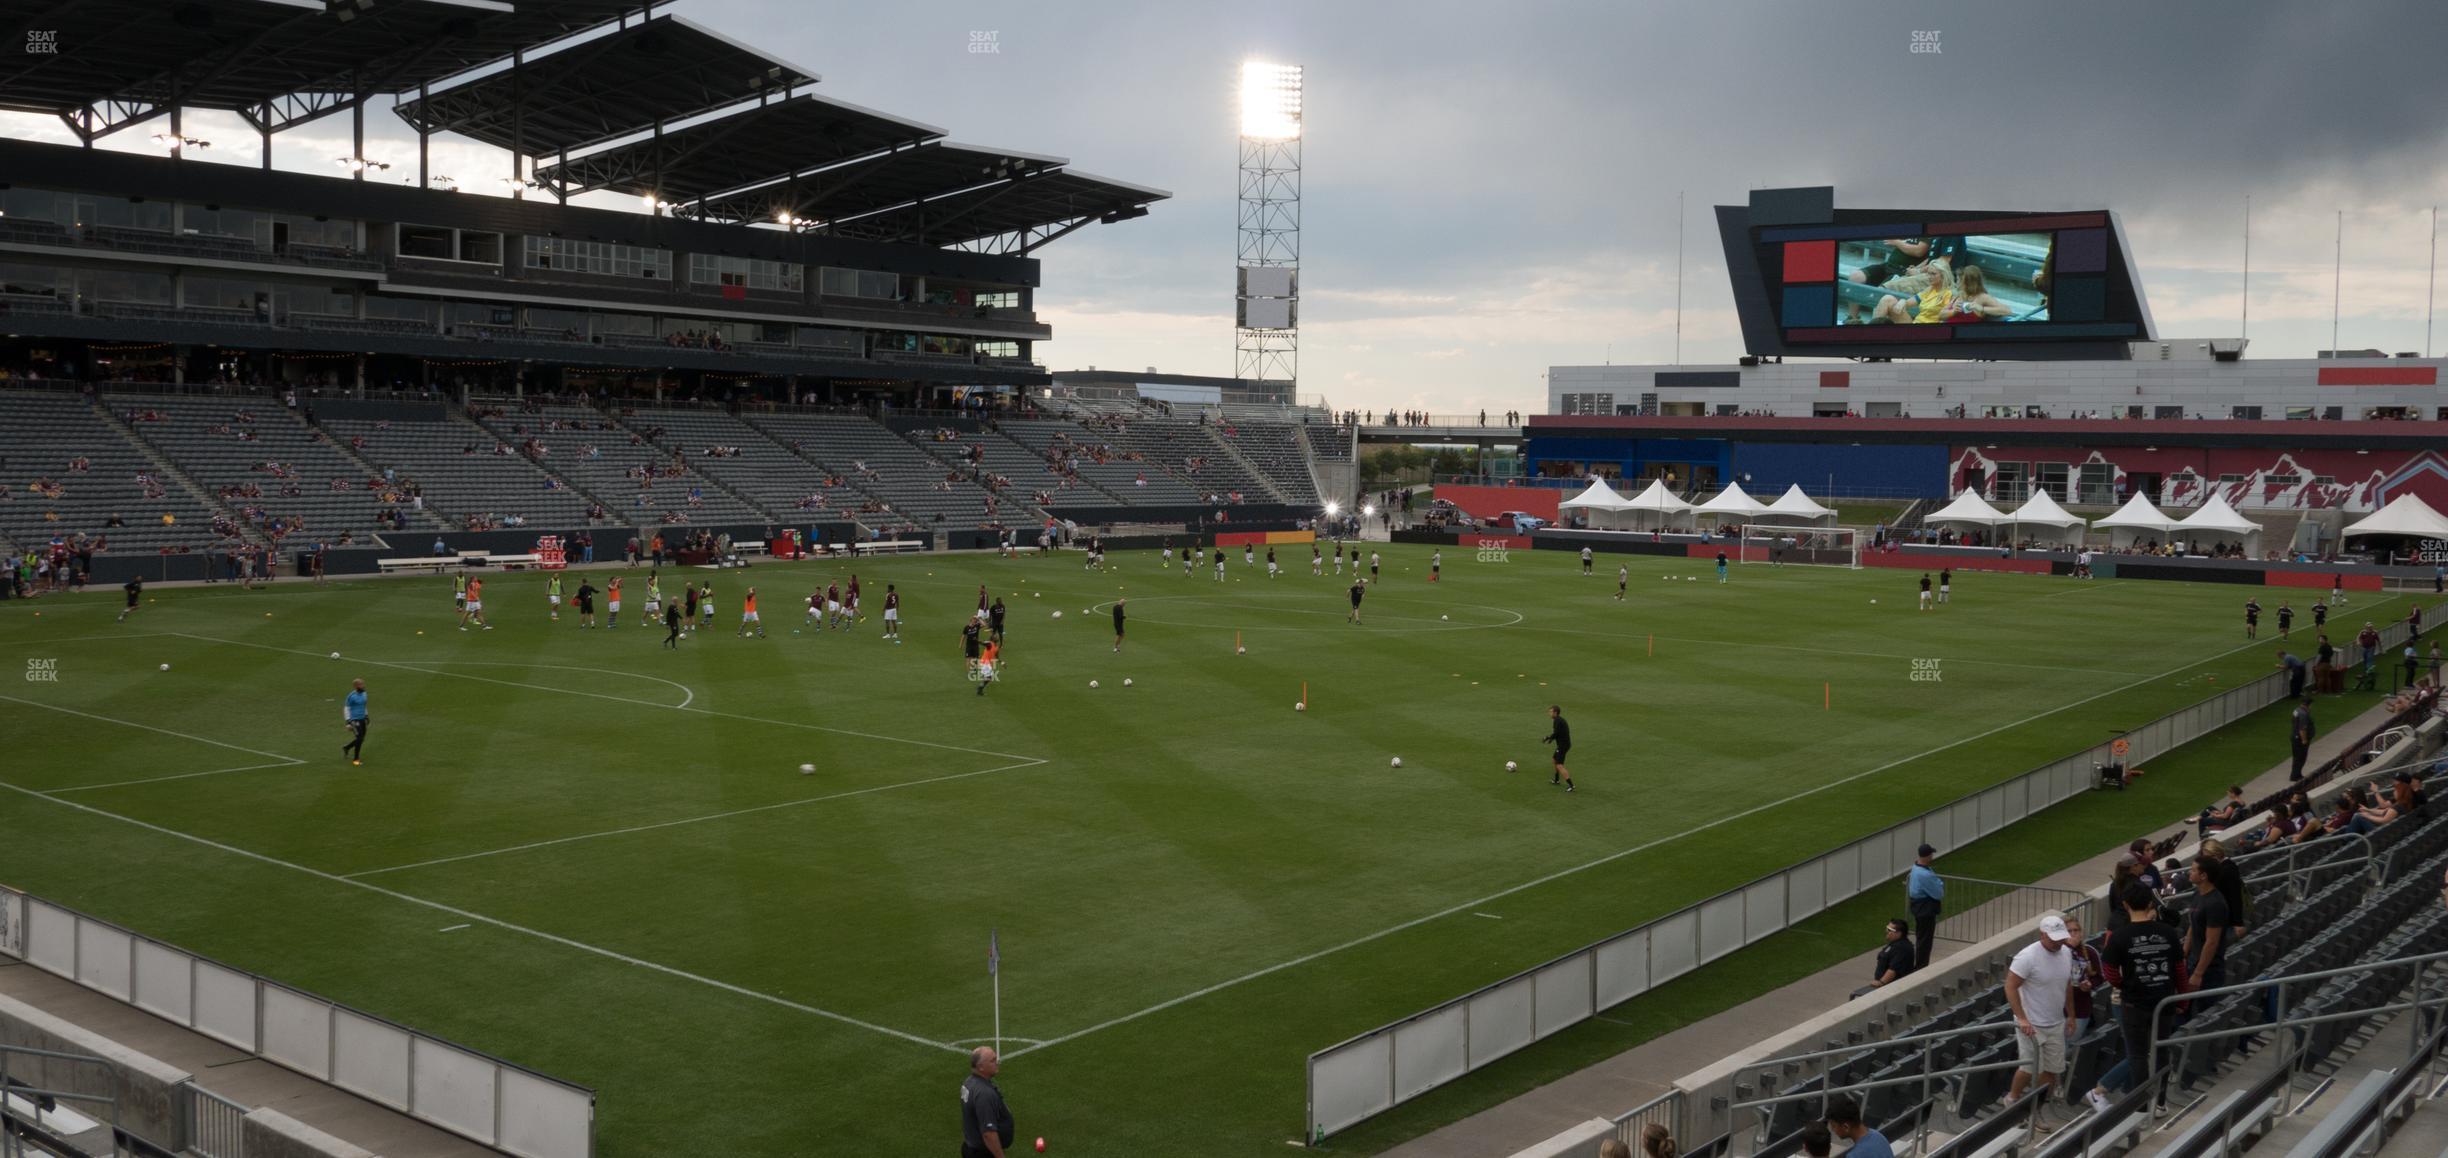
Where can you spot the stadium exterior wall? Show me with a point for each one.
(1372, 1072)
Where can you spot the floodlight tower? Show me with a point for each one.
(1267, 289)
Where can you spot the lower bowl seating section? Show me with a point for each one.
(726, 448)
(903, 484)
(42, 434)
(469, 478)
(1103, 461)
(1014, 472)
(1186, 449)
(1277, 451)
(283, 477)
(621, 467)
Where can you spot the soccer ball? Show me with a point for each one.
(165, 667)
(1512, 767)
(335, 655)
(1300, 706)
(1092, 683)
(1398, 761)
(807, 769)
(1874, 601)
(1238, 650)
(1058, 615)
(1126, 683)
(1444, 617)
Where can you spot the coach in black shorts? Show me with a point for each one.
(1561, 737)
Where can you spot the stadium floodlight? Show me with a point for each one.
(1369, 512)
(1333, 509)
(1270, 100)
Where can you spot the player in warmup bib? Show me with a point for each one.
(473, 612)
(748, 616)
(552, 592)
(459, 592)
(654, 597)
(705, 603)
(612, 599)
(989, 662)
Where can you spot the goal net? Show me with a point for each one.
(1782, 544)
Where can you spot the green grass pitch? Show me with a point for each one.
(599, 858)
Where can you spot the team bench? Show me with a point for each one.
(885, 547)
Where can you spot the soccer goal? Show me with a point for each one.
(1780, 544)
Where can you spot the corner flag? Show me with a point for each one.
(994, 954)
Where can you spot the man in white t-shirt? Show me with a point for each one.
(2038, 985)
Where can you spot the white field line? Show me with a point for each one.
(687, 695)
(173, 776)
(151, 728)
(480, 918)
(1560, 874)
(692, 819)
(41, 642)
(411, 666)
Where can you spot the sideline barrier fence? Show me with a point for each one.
(476, 1096)
(1372, 1072)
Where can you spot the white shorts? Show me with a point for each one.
(2043, 1051)
(1943, 588)
(832, 608)
(892, 615)
(653, 605)
(981, 615)
(615, 605)
(556, 600)
(749, 617)
(475, 604)
(985, 670)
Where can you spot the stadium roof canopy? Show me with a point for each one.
(620, 99)
(646, 73)
(937, 193)
(276, 62)
(743, 147)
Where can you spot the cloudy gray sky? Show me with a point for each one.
(1491, 187)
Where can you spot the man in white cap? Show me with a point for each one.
(2037, 989)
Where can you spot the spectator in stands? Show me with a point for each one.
(2205, 955)
(1613, 1147)
(2230, 881)
(2368, 641)
(2089, 975)
(2144, 870)
(1924, 898)
(2142, 959)
(1657, 1141)
(2371, 811)
(2039, 987)
(2224, 813)
(1895, 958)
(2406, 793)
(1845, 1121)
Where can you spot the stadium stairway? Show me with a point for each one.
(168, 469)
(1650, 1069)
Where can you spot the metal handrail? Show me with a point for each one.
(2279, 1017)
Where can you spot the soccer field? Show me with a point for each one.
(599, 858)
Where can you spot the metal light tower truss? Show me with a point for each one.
(1267, 281)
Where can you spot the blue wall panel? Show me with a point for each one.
(1859, 470)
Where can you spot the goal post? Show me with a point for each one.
(1784, 544)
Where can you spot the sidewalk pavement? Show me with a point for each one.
(1650, 1069)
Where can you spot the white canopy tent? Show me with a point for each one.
(1656, 506)
(2135, 520)
(1732, 501)
(2041, 510)
(1601, 505)
(1968, 510)
(1794, 505)
(2405, 515)
(2216, 521)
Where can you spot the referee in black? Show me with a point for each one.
(986, 1123)
(1561, 737)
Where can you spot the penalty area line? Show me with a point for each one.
(1477, 902)
(496, 922)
